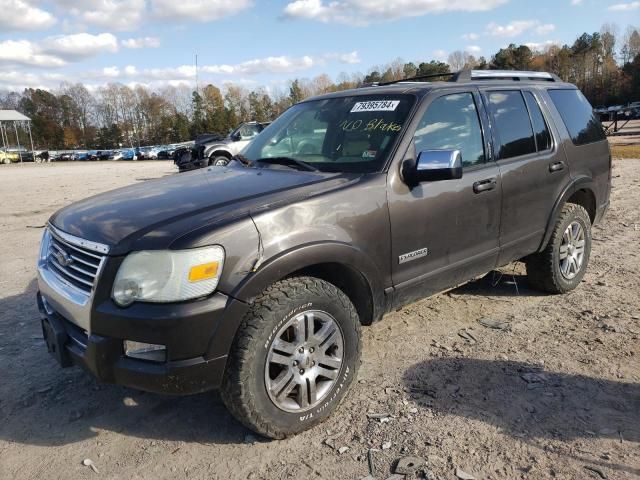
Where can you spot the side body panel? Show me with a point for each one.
(458, 227)
(590, 163)
(529, 188)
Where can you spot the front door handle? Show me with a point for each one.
(556, 166)
(484, 185)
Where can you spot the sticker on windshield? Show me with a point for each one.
(376, 106)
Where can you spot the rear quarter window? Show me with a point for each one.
(577, 115)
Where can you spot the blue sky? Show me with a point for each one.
(268, 42)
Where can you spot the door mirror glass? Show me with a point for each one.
(435, 165)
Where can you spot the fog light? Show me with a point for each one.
(145, 351)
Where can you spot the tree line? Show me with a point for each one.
(604, 65)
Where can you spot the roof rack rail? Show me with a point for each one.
(515, 75)
(419, 77)
(470, 75)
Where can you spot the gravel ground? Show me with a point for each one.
(553, 393)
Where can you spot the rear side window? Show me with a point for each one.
(577, 115)
(540, 129)
(512, 122)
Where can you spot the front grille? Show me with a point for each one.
(73, 264)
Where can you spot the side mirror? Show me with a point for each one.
(434, 165)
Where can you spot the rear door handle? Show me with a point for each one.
(484, 185)
(556, 166)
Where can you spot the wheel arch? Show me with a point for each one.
(343, 265)
(580, 191)
(217, 151)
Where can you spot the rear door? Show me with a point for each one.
(532, 165)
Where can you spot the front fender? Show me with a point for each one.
(282, 266)
(217, 148)
(306, 256)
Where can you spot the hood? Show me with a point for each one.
(126, 214)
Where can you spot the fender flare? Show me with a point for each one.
(216, 148)
(579, 183)
(284, 264)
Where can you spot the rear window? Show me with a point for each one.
(578, 116)
(512, 123)
(543, 137)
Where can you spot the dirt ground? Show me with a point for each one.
(553, 394)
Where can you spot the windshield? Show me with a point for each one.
(346, 134)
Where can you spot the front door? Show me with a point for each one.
(445, 232)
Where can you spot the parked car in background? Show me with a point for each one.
(166, 152)
(124, 154)
(66, 157)
(8, 156)
(148, 153)
(218, 152)
(22, 154)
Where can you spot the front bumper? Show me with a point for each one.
(103, 355)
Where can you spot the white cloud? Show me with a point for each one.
(20, 15)
(473, 49)
(113, 14)
(545, 29)
(625, 7)
(186, 73)
(281, 64)
(541, 46)
(518, 27)
(440, 54)
(14, 80)
(576, 2)
(470, 36)
(363, 12)
(79, 45)
(198, 10)
(143, 42)
(24, 52)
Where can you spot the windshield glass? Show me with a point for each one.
(347, 134)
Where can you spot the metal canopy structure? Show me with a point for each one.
(15, 117)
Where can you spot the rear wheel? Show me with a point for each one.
(294, 358)
(561, 266)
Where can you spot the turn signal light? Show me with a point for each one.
(203, 272)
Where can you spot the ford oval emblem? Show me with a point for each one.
(63, 258)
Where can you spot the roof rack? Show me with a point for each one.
(515, 75)
(470, 75)
(419, 77)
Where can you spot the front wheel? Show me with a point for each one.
(219, 161)
(294, 358)
(561, 266)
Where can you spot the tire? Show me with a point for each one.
(560, 267)
(251, 383)
(218, 161)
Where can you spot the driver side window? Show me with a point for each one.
(451, 123)
(248, 131)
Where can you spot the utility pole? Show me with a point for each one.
(197, 89)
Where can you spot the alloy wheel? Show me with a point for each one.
(304, 361)
(572, 250)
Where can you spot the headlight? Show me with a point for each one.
(168, 276)
(45, 245)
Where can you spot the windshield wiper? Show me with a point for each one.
(289, 162)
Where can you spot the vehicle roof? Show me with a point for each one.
(420, 89)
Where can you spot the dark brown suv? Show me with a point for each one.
(256, 277)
